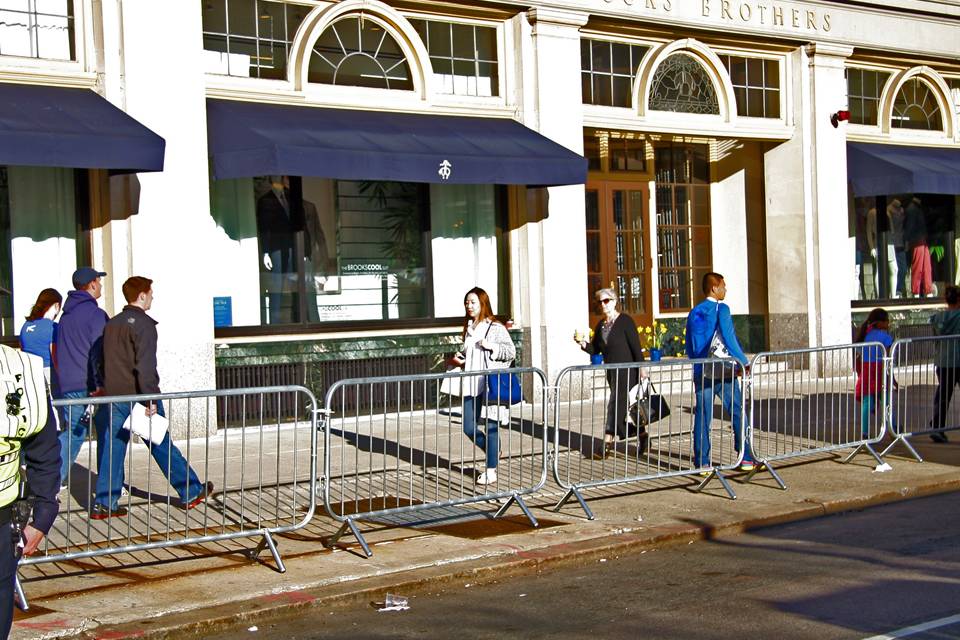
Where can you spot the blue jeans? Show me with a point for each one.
(731, 398)
(73, 434)
(112, 452)
(488, 441)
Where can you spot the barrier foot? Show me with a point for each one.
(902, 439)
(523, 506)
(573, 492)
(723, 481)
(348, 524)
(866, 447)
(268, 542)
(764, 466)
(20, 598)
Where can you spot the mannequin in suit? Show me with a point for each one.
(276, 228)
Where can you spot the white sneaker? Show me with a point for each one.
(487, 477)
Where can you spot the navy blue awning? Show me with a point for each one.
(880, 169)
(60, 127)
(252, 139)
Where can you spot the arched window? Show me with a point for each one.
(682, 84)
(916, 107)
(357, 51)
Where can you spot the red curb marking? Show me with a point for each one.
(289, 596)
(49, 625)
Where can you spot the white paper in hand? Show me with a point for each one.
(152, 428)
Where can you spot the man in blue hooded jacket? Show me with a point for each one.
(710, 334)
(80, 332)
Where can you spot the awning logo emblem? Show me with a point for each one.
(445, 169)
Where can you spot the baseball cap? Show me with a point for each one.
(85, 275)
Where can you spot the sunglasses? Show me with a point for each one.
(606, 300)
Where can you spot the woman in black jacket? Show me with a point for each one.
(616, 338)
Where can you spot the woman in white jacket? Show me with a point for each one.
(486, 345)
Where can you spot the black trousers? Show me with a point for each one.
(947, 380)
(8, 570)
(620, 381)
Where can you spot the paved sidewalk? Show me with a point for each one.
(164, 593)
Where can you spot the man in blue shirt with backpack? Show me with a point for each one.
(710, 334)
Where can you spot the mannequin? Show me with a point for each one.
(276, 229)
(866, 252)
(915, 236)
(871, 233)
(896, 250)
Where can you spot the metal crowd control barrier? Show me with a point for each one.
(395, 447)
(923, 374)
(805, 402)
(263, 472)
(705, 400)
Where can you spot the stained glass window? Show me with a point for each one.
(682, 84)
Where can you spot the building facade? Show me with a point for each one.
(336, 175)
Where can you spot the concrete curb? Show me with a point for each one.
(263, 608)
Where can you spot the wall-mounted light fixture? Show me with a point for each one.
(840, 116)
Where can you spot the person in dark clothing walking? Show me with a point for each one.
(947, 362)
(616, 338)
(78, 337)
(130, 368)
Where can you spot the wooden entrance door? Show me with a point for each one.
(618, 246)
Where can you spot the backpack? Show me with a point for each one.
(23, 388)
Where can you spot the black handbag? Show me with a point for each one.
(649, 406)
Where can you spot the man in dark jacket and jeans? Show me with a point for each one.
(79, 333)
(130, 368)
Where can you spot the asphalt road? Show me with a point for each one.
(855, 575)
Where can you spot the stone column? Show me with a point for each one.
(786, 166)
(809, 253)
(167, 238)
(833, 250)
(556, 112)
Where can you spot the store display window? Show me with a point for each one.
(906, 246)
(303, 251)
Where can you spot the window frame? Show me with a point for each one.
(727, 56)
(77, 35)
(256, 39)
(498, 48)
(932, 92)
(646, 46)
(691, 228)
(881, 86)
